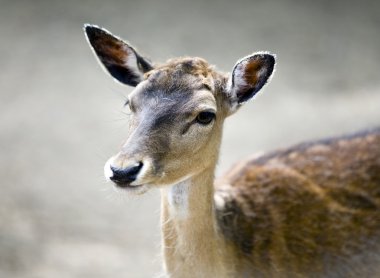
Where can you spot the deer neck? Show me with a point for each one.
(192, 247)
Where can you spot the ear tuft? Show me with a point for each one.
(249, 75)
(119, 58)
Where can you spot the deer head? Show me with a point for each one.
(177, 110)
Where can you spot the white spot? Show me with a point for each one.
(107, 169)
(131, 62)
(178, 198)
(219, 201)
(147, 165)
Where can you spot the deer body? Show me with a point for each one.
(312, 210)
(308, 211)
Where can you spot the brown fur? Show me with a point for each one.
(251, 70)
(308, 211)
(312, 210)
(176, 70)
(109, 49)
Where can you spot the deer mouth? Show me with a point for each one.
(137, 189)
(127, 185)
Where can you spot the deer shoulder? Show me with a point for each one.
(311, 208)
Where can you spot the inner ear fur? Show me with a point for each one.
(249, 75)
(120, 59)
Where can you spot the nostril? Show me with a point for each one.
(126, 175)
(134, 170)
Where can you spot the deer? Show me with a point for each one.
(309, 210)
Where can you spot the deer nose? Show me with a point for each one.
(125, 175)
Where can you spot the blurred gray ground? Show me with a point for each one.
(61, 117)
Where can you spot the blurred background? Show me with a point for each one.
(61, 117)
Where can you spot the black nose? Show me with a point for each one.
(126, 175)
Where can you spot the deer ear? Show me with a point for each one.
(248, 76)
(119, 58)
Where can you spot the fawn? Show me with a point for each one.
(312, 210)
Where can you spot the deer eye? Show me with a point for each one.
(205, 117)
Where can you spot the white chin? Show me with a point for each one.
(137, 190)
